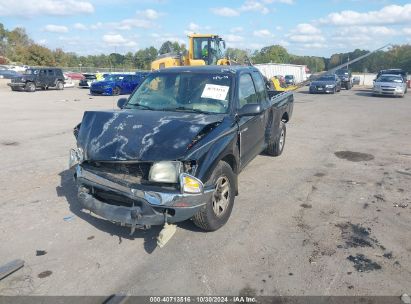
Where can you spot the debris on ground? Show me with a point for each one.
(41, 252)
(10, 267)
(166, 234)
(401, 205)
(403, 172)
(69, 218)
(363, 264)
(406, 298)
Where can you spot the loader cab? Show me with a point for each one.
(206, 50)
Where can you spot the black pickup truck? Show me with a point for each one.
(176, 146)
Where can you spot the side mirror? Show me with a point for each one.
(121, 102)
(250, 109)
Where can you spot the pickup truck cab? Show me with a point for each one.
(175, 148)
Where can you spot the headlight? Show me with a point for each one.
(165, 172)
(76, 157)
(190, 184)
(329, 86)
(400, 89)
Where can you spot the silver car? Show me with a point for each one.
(389, 84)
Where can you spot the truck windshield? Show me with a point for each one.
(191, 92)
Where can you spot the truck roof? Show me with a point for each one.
(215, 69)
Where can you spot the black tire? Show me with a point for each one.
(349, 86)
(222, 200)
(277, 146)
(116, 91)
(30, 87)
(59, 85)
(13, 89)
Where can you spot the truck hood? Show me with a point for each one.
(141, 135)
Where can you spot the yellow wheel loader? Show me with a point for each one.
(203, 49)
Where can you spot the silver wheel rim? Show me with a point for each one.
(221, 196)
(282, 138)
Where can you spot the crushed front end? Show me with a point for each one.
(123, 192)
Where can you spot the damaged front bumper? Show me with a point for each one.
(136, 206)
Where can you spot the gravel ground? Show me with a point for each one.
(331, 216)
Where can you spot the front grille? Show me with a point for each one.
(130, 173)
(114, 198)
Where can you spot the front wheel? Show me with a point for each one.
(276, 147)
(215, 213)
(30, 87)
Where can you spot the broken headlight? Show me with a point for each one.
(76, 157)
(165, 172)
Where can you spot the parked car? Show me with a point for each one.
(87, 81)
(390, 84)
(355, 80)
(289, 79)
(38, 78)
(75, 75)
(329, 83)
(400, 72)
(115, 84)
(346, 78)
(175, 149)
(8, 74)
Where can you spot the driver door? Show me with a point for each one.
(251, 128)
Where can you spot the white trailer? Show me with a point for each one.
(270, 70)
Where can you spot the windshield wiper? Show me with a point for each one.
(190, 110)
(140, 105)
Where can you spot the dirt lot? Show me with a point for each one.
(311, 222)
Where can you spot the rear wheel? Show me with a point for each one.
(116, 91)
(30, 87)
(59, 85)
(276, 147)
(215, 213)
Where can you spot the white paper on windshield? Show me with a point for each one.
(214, 91)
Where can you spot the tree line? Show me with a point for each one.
(16, 46)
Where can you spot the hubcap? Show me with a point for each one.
(221, 196)
(282, 138)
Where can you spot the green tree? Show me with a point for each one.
(166, 47)
(39, 55)
(238, 55)
(273, 53)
